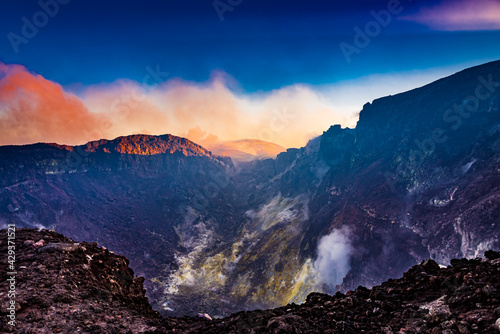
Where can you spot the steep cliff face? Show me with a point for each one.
(419, 177)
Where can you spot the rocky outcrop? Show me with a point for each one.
(148, 145)
(69, 287)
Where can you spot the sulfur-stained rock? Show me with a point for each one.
(72, 287)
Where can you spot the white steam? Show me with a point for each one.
(334, 252)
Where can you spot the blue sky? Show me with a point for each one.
(263, 44)
(253, 55)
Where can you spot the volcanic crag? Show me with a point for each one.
(63, 286)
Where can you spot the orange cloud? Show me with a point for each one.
(33, 109)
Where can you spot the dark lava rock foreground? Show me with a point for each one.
(67, 287)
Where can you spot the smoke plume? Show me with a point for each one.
(334, 252)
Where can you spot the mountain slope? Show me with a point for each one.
(359, 206)
(150, 204)
(411, 181)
